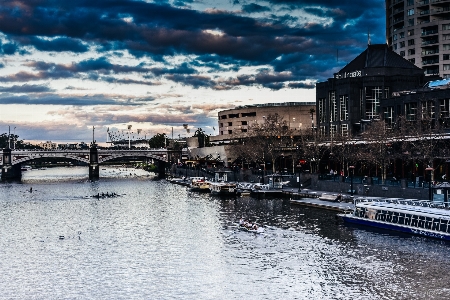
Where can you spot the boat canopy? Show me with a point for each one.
(407, 209)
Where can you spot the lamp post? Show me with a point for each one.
(352, 168)
(14, 138)
(129, 138)
(430, 192)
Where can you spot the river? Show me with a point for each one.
(157, 240)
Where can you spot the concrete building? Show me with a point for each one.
(419, 31)
(48, 145)
(238, 120)
(344, 103)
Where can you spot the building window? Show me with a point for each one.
(402, 53)
(322, 114)
(388, 114)
(402, 44)
(230, 131)
(428, 110)
(445, 26)
(411, 12)
(410, 2)
(444, 108)
(394, 46)
(411, 51)
(244, 122)
(322, 131)
(401, 35)
(230, 123)
(333, 130)
(446, 46)
(410, 42)
(343, 104)
(394, 37)
(446, 57)
(344, 129)
(221, 124)
(411, 32)
(411, 111)
(372, 105)
(446, 67)
(333, 106)
(413, 60)
(411, 22)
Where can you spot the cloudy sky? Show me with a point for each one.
(66, 66)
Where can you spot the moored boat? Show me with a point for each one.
(200, 185)
(413, 219)
(25, 168)
(222, 188)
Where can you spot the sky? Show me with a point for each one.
(67, 67)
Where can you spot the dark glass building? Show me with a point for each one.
(353, 97)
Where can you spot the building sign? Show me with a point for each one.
(348, 74)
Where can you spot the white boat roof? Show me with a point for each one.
(408, 209)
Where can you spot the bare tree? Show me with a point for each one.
(263, 141)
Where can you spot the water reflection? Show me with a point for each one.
(160, 241)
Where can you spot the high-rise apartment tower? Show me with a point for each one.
(419, 30)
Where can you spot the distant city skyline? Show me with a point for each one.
(66, 66)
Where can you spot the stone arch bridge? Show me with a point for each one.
(12, 160)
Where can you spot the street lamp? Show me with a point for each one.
(129, 141)
(14, 138)
(352, 168)
(430, 193)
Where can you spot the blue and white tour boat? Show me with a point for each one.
(415, 219)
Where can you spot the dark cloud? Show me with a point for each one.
(10, 49)
(221, 41)
(192, 80)
(26, 88)
(184, 68)
(254, 8)
(59, 44)
(301, 85)
(63, 100)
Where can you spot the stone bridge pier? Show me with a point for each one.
(94, 170)
(9, 171)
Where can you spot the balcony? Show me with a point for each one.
(431, 42)
(429, 32)
(430, 62)
(434, 71)
(430, 52)
(424, 12)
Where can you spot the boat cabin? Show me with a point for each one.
(411, 216)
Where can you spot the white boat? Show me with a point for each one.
(415, 219)
(25, 168)
(199, 184)
(222, 188)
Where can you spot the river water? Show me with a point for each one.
(158, 240)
